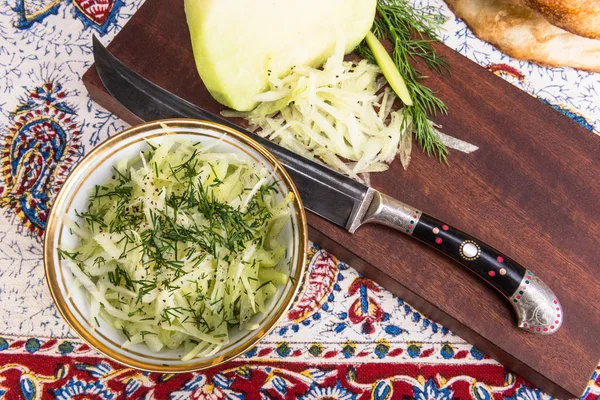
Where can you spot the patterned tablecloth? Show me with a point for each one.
(345, 338)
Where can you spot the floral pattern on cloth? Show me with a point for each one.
(90, 377)
(344, 338)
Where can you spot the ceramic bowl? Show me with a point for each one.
(96, 168)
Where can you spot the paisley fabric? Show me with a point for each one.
(344, 338)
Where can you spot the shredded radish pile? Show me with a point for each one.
(342, 114)
(179, 246)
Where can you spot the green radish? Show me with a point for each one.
(388, 68)
(238, 44)
(279, 278)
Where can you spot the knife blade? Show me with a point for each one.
(350, 204)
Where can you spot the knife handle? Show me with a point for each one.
(537, 308)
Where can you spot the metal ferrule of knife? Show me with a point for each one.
(536, 306)
(350, 204)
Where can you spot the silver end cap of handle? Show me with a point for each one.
(537, 307)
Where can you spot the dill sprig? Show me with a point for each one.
(412, 32)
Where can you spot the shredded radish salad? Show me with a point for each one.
(180, 246)
(341, 114)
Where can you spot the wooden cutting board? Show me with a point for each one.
(532, 190)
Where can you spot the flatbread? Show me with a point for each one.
(525, 34)
(581, 17)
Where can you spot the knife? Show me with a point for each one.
(351, 204)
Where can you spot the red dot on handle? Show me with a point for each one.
(525, 324)
(500, 259)
(445, 227)
(557, 315)
(545, 329)
(557, 308)
(555, 302)
(518, 297)
(414, 216)
(531, 328)
(551, 326)
(538, 329)
(492, 273)
(410, 226)
(557, 322)
(438, 240)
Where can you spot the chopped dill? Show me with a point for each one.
(166, 235)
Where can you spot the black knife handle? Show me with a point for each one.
(492, 266)
(537, 308)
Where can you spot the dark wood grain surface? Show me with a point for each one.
(532, 191)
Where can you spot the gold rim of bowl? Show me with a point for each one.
(66, 193)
